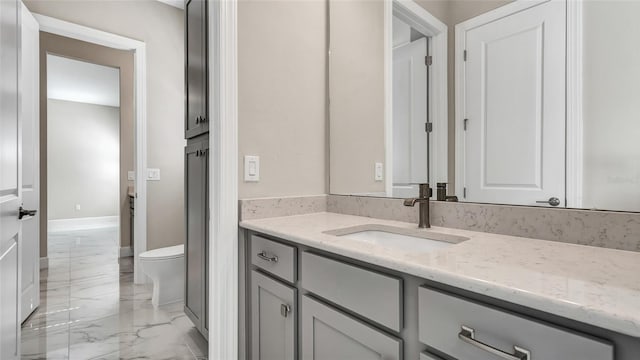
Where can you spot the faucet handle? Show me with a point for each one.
(425, 191)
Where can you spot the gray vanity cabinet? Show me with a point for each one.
(196, 88)
(197, 218)
(428, 356)
(273, 321)
(340, 308)
(328, 334)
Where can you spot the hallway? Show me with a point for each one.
(90, 308)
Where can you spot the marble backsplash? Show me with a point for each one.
(250, 209)
(616, 230)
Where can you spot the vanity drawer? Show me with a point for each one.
(428, 356)
(445, 323)
(373, 295)
(274, 257)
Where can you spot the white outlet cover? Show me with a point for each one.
(251, 168)
(131, 175)
(153, 174)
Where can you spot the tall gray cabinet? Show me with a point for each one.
(196, 165)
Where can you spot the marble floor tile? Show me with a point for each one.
(90, 308)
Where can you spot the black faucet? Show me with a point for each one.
(423, 201)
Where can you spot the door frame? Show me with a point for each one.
(575, 127)
(87, 34)
(573, 92)
(223, 174)
(422, 20)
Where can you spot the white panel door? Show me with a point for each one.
(410, 106)
(30, 96)
(10, 177)
(514, 95)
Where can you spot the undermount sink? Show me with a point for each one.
(389, 236)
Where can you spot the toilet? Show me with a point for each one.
(165, 266)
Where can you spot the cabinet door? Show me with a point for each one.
(196, 207)
(328, 334)
(196, 75)
(131, 222)
(273, 319)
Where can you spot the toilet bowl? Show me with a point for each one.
(165, 266)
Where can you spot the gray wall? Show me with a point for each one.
(83, 159)
(282, 96)
(161, 27)
(356, 89)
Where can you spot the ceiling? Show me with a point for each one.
(80, 81)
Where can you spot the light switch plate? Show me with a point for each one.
(251, 168)
(153, 174)
(131, 175)
(379, 172)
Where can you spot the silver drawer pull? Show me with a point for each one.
(263, 255)
(467, 335)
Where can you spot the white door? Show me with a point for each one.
(10, 187)
(410, 139)
(30, 97)
(514, 103)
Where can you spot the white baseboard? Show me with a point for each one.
(44, 263)
(82, 223)
(126, 251)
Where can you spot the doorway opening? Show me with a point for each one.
(84, 166)
(83, 158)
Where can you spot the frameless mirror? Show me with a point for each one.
(526, 102)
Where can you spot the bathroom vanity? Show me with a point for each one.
(335, 286)
(532, 127)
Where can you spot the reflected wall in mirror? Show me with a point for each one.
(526, 102)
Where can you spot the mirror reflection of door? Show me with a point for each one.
(410, 110)
(514, 106)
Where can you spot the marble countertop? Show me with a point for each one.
(592, 285)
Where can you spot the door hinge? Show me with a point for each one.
(428, 60)
(428, 127)
(464, 124)
(464, 55)
(464, 192)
